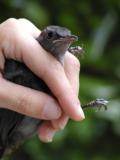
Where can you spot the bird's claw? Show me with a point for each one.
(77, 50)
(98, 103)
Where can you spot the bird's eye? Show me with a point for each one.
(50, 35)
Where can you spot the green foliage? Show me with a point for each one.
(97, 24)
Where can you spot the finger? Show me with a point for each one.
(42, 64)
(28, 101)
(46, 132)
(60, 123)
(47, 129)
(72, 69)
(29, 27)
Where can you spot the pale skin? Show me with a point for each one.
(17, 41)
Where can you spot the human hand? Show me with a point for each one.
(17, 41)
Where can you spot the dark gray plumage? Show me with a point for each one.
(15, 127)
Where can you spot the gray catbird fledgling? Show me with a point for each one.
(15, 127)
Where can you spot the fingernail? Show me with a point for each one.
(48, 136)
(51, 111)
(80, 112)
(62, 125)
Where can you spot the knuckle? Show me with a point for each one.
(11, 22)
(10, 36)
(24, 103)
(7, 30)
(54, 68)
(26, 23)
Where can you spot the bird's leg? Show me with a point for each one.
(98, 103)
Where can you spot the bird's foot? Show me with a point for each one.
(77, 50)
(98, 103)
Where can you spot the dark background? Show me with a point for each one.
(97, 24)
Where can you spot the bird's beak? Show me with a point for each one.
(67, 39)
(70, 39)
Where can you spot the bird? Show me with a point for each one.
(54, 39)
(15, 127)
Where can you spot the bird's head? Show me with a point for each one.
(56, 40)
